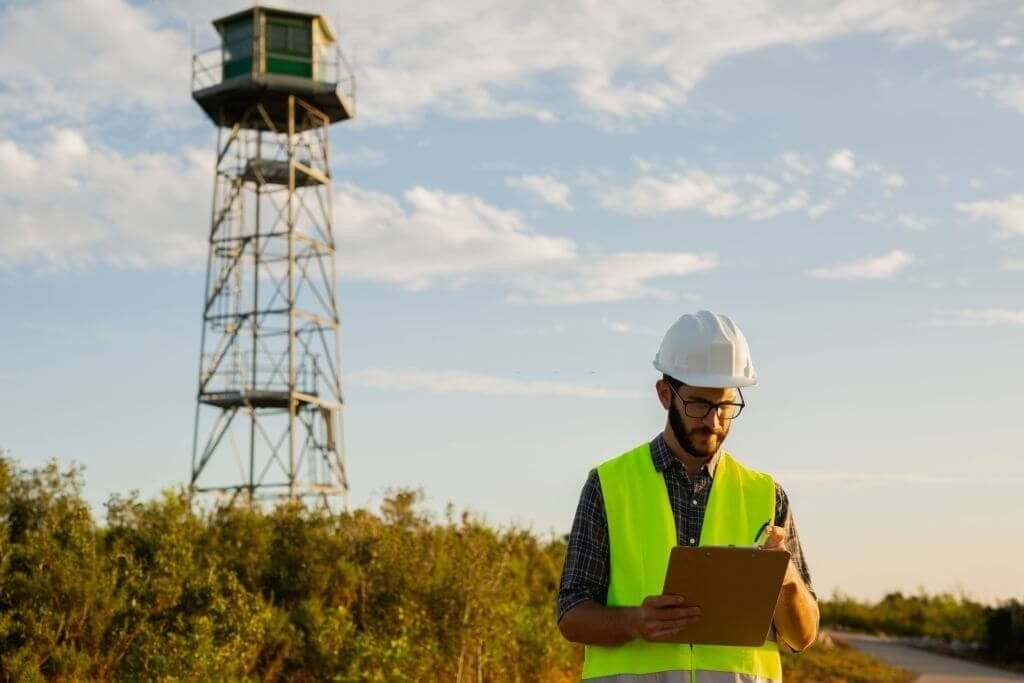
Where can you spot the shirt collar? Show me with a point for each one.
(663, 458)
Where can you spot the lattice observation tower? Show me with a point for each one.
(269, 403)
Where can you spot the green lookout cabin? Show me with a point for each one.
(266, 55)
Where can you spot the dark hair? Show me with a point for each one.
(672, 381)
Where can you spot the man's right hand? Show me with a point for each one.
(661, 618)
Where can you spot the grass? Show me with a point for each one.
(826, 662)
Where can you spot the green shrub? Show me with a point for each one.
(162, 593)
(944, 616)
(1004, 630)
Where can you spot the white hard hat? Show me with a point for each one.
(706, 350)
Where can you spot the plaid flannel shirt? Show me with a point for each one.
(585, 574)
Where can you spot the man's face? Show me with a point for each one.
(700, 437)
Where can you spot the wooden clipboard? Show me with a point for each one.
(736, 589)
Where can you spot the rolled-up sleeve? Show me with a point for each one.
(784, 517)
(585, 574)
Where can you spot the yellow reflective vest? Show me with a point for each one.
(641, 533)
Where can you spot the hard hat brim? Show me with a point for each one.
(709, 381)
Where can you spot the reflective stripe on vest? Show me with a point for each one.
(682, 677)
(641, 533)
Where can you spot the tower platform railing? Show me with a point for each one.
(238, 373)
(330, 67)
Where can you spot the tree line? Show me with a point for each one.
(995, 632)
(160, 591)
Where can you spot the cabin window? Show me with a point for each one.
(277, 37)
(289, 47)
(298, 39)
(288, 37)
(238, 39)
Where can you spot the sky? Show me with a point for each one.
(529, 195)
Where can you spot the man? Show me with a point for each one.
(705, 362)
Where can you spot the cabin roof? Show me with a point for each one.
(325, 25)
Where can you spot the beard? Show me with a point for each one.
(695, 441)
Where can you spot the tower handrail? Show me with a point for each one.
(238, 376)
(331, 67)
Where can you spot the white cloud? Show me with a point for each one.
(821, 208)
(982, 317)
(618, 328)
(1013, 264)
(469, 57)
(100, 206)
(97, 205)
(893, 180)
(911, 222)
(1007, 41)
(798, 200)
(16, 163)
(549, 189)
(416, 60)
(478, 103)
(1007, 90)
(793, 162)
(625, 328)
(1007, 212)
(845, 167)
(440, 236)
(452, 238)
(66, 61)
(644, 166)
(615, 277)
(457, 382)
(696, 190)
(880, 268)
(985, 54)
(960, 45)
(360, 156)
(842, 161)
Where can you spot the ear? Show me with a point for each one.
(664, 393)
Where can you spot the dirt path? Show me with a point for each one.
(932, 667)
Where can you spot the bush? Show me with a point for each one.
(997, 632)
(944, 617)
(162, 593)
(1004, 631)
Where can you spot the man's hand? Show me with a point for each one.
(796, 614)
(776, 536)
(661, 618)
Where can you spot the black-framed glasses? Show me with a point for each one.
(699, 408)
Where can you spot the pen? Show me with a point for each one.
(760, 532)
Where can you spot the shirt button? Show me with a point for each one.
(694, 501)
(692, 541)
